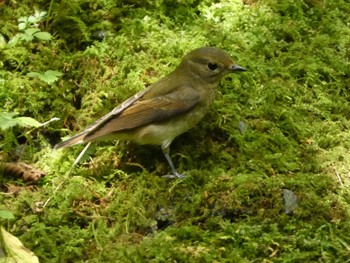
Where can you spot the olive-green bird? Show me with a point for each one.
(166, 109)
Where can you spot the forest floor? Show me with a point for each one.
(267, 168)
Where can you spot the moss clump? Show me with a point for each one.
(284, 124)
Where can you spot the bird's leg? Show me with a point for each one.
(166, 150)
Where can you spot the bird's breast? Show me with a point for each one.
(168, 130)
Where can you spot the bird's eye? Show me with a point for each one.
(212, 66)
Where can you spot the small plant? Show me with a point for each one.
(6, 214)
(8, 120)
(29, 27)
(49, 76)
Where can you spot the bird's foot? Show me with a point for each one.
(175, 175)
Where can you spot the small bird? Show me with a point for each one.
(167, 108)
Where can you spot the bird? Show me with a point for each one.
(169, 107)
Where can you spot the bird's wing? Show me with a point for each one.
(117, 110)
(147, 111)
(79, 138)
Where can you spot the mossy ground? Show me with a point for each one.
(284, 124)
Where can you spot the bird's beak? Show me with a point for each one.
(237, 68)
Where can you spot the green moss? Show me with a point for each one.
(281, 125)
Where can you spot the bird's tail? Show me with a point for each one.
(79, 138)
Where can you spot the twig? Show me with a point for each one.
(47, 122)
(338, 175)
(77, 160)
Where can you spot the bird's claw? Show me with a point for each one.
(172, 176)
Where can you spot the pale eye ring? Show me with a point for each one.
(212, 66)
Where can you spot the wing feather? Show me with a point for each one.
(143, 112)
(79, 138)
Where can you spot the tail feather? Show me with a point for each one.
(79, 138)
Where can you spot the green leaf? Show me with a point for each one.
(13, 41)
(6, 214)
(27, 121)
(2, 41)
(33, 19)
(23, 19)
(7, 121)
(31, 31)
(43, 35)
(40, 15)
(25, 37)
(54, 72)
(13, 250)
(50, 76)
(34, 74)
(8, 115)
(22, 25)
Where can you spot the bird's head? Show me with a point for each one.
(208, 64)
